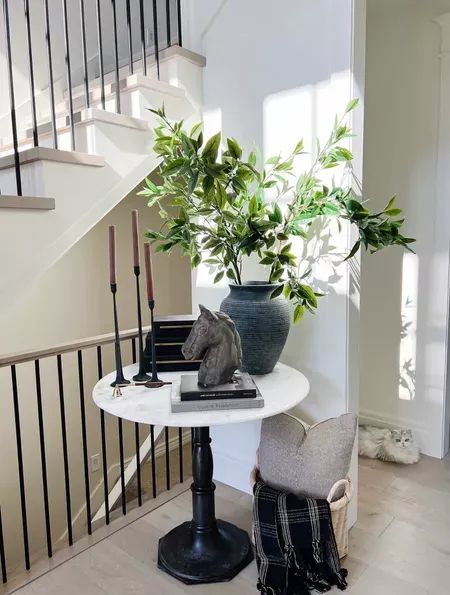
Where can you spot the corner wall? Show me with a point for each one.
(404, 297)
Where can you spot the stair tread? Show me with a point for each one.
(42, 203)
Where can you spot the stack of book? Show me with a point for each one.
(242, 393)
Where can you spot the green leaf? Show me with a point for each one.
(276, 292)
(393, 212)
(298, 313)
(211, 149)
(173, 166)
(151, 186)
(351, 105)
(330, 209)
(298, 147)
(353, 251)
(234, 148)
(277, 214)
(219, 276)
(390, 204)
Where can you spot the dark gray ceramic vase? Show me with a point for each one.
(263, 324)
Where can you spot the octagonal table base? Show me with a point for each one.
(204, 550)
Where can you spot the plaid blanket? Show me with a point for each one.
(295, 545)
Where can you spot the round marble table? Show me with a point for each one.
(206, 549)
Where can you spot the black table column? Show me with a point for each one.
(204, 550)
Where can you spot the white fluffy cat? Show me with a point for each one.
(396, 446)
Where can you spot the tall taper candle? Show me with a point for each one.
(148, 271)
(135, 230)
(112, 254)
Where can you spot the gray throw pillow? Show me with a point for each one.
(306, 460)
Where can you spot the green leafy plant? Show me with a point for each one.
(222, 215)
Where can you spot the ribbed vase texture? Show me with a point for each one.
(263, 324)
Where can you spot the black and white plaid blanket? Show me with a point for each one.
(296, 549)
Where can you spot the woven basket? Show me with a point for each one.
(339, 511)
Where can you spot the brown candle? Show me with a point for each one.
(112, 254)
(135, 231)
(148, 271)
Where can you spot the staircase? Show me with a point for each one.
(61, 172)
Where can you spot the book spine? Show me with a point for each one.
(199, 396)
(219, 405)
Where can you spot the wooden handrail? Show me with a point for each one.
(29, 356)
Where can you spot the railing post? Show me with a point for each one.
(31, 72)
(2, 551)
(116, 55)
(84, 52)
(68, 73)
(43, 457)
(142, 23)
(180, 33)
(64, 445)
(84, 442)
(50, 74)
(12, 99)
(103, 438)
(155, 35)
(130, 38)
(100, 52)
(23, 501)
(169, 40)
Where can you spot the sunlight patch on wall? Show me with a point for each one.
(407, 353)
(308, 112)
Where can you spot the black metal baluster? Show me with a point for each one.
(84, 52)
(142, 23)
(116, 56)
(23, 502)
(2, 551)
(180, 453)
(64, 445)
(152, 443)
(68, 73)
(31, 73)
(100, 53)
(180, 38)
(169, 41)
(166, 440)
(138, 463)
(192, 438)
(122, 466)
(133, 350)
(12, 99)
(50, 74)
(48, 531)
(84, 442)
(103, 433)
(155, 35)
(130, 38)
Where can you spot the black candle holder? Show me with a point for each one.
(154, 382)
(120, 378)
(141, 376)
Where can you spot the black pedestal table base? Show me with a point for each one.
(204, 550)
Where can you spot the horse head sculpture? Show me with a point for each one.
(214, 337)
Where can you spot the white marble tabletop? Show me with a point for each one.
(282, 389)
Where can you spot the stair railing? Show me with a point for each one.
(154, 18)
(62, 379)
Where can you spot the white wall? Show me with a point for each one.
(277, 71)
(404, 298)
